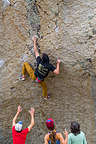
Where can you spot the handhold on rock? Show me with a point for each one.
(89, 59)
(56, 29)
(6, 3)
(1, 62)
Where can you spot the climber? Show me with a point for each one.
(19, 135)
(42, 70)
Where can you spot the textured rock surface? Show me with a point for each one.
(66, 30)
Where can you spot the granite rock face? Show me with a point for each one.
(66, 30)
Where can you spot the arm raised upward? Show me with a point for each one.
(15, 117)
(56, 71)
(31, 111)
(35, 46)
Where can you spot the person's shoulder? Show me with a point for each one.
(46, 136)
(51, 67)
(58, 134)
(38, 57)
(25, 130)
(70, 135)
(13, 127)
(82, 133)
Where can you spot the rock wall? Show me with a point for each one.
(66, 30)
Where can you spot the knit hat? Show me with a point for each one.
(18, 126)
(50, 123)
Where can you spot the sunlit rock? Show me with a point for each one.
(6, 3)
(1, 63)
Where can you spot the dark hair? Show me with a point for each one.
(51, 128)
(75, 128)
(19, 131)
(52, 136)
(45, 58)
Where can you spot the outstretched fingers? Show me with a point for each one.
(19, 108)
(31, 111)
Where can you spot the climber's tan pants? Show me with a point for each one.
(27, 68)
